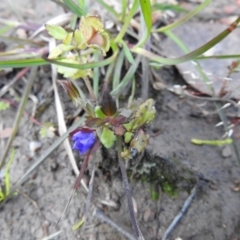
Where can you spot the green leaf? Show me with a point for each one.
(147, 13)
(127, 78)
(56, 31)
(59, 49)
(127, 52)
(128, 137)
(67, 71)
(77, 38)
(212, 142)
(79, 224)
(107, 137)
(20, 63)
(68, 39)
(4, 105)
(99, 113)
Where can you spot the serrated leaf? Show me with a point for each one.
(86, 29)
(4, 105)
(78, 39)
(107, 137)
(95, 22)
(56, 31)
(68, 39)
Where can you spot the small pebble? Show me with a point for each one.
(34, 146)
(226, 151)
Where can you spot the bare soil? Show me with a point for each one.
(171, 168)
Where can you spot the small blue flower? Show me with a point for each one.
(83, 140)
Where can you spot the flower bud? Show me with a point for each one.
(71, 90)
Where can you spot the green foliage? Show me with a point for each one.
(212, 142)
(143, 115)
(107, 137)
(5, 190)
(4, 105)
(56, 32)
(147, 13)
(79, 224)
(99, 113)
(90, 34)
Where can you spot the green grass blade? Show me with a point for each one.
(20, 63)
(124, 9)
(147, 14)
(117, 70)
(7, 174)
(166, 6)
(233, 56)
(185, 18)
(127, 52)
(75, 8)
(96, 76)
(127, 78)
(192, 55)
(127, 21)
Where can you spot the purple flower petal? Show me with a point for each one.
(83, 141)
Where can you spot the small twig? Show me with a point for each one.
(101, 216)
(180, 214)
(89, 87)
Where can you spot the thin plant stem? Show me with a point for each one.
(89, 87)
(128, 192)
